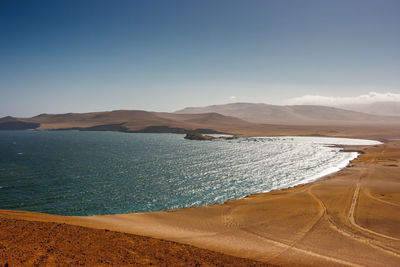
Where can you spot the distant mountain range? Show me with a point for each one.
(127, 121)
(237, 118)
(292, 115)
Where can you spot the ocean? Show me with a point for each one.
(92, 173)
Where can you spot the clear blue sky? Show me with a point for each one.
(79, 56)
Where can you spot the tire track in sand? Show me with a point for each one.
(352, 210)
(351, 235)
(355, 200)
(229, 221)
(369, 194)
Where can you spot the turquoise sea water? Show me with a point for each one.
(86, 173)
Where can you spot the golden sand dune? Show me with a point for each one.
(350, 218)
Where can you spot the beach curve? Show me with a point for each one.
(299, 225)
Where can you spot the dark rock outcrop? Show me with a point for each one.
(198, 136)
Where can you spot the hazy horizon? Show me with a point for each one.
(84, 56)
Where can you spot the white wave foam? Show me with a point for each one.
(324, 141)
(220, 135)
(332, 169)
(328, 140)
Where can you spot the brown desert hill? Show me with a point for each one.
(214, 119)
(293, 121)
(128, 120)
(8, 119)
(292, 115)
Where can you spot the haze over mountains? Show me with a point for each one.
(375, 103)
(292, 115)
(237, 118)
(377, 108)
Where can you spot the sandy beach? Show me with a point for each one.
(349, 218)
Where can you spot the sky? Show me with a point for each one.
(96, 55)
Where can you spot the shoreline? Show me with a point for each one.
(300, 183)
(296, 225)
(340, 144)
(312, 179)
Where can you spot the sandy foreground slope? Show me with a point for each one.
(350, 218)
(27, 243)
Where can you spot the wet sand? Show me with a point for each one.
(348, 218)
